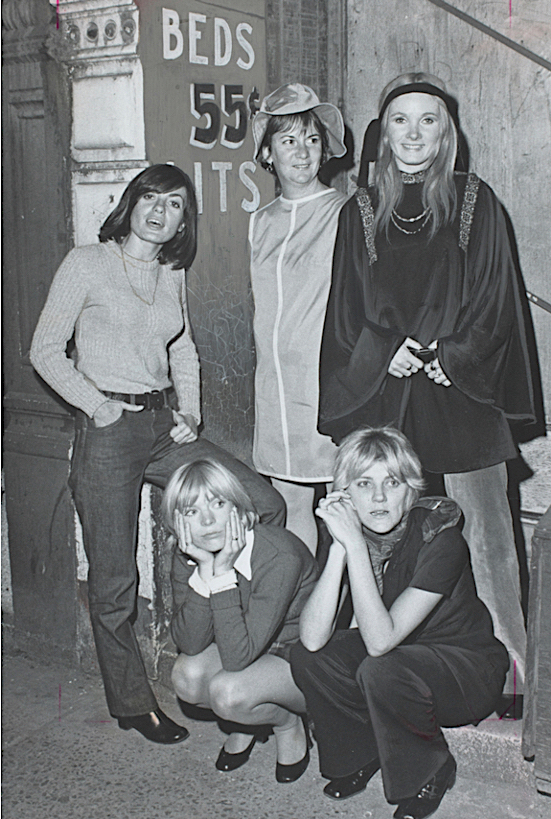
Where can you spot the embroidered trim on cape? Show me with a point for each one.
(467, 210)
(368, 219)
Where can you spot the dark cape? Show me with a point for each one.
(462, 288)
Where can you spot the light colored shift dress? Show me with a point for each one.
(291, 256)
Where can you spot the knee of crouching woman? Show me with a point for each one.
(188, 679)
(227, 695)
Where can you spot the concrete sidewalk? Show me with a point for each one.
(65, 758)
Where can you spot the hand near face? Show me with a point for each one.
(341, 518)
(233, 545)
(204, 559)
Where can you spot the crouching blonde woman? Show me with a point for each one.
(239, 588)
(421, 653)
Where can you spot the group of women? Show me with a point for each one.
(390, 349)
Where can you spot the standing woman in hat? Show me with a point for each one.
(425, 328)
(135, 383)
(292, 242)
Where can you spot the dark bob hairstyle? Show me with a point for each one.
(180, 251)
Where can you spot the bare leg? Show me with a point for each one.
(191, 678)
(299, 498)
(262, 694)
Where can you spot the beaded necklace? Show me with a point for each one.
(426, 214)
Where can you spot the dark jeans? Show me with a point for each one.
(108, 469)
(389, 707)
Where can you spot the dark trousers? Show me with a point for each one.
(108, 469)
(388, 707)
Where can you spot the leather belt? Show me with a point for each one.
(155, 400)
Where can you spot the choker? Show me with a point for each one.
(413, 178)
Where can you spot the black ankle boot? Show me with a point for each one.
(156, 727)
(425, 802)
(345, 786)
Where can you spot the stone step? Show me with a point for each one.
(491, 751)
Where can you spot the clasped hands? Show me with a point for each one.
(406, 363)
(342, 520)
(212, 564)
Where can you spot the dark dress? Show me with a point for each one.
(461, 288)
(449, 671)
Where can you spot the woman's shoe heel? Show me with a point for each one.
(290, 773)
(231, 762)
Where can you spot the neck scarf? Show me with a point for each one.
(381, 547)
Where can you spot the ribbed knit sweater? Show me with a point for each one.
(123, 343)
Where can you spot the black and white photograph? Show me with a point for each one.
(276, 455)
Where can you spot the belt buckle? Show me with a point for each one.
(156, 400)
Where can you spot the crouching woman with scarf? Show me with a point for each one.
(420, 653)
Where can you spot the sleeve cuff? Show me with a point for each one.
(198, 585)
(223, 582)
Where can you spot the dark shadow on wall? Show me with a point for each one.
(338, 168)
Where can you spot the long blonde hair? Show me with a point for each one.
(438, 188)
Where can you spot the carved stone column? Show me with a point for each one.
(98, 42)
(36, 217)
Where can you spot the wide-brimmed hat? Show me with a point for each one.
(294, 98)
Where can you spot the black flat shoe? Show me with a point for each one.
(290, 773)
(347, 786)
(431, 794)
(155, 726)
(230, 762)
(510, 707)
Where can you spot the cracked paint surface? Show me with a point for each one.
(221, 317)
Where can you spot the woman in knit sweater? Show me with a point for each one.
(135, 383)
